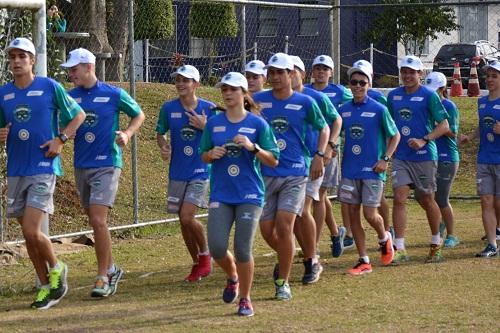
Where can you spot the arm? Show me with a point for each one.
(317, 166)
(332, 147)
(163, 145)
(392, 144)
(467, 138)
(438, 131)
(265, 156)
(122, 137)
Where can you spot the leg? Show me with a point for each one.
(192, 230)
(285, 242)
(399, 210)
(98, 218)
(488, 213)
(385, 212)
(268, 231)
(307, 232)
(356, 227)
(431, 208)
(344, 209)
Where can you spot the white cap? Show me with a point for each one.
(435, 80)
(412, 62)
(281, 61)
(324, 60)
(363, 67)
(79, 56)
(233, 79)
(256, 67)
(493, 65)
(22, 43)
(297, 62)
(187, 71)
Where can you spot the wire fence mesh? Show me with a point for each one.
(220, 36)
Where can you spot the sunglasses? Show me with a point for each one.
(356, 82)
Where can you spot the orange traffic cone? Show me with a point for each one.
(456, 86)
(473, 86)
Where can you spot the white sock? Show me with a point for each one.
(383, 239)
(399, 243)
(206, 253)
(365, 259)
(46, 286)
(111, 269)
(436, 239)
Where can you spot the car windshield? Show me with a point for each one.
(457, 50)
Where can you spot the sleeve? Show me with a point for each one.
(347, 95)
(128, 105)
(314, 116)
(267, 140)
(331, 113)
(382, 100)
(162, 125)
(3, 122)
(389, 105)
(388, 124)
(454, 118)
(67, 106)
(436, 108)
(206, 141)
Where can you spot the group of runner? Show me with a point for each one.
(274, 155)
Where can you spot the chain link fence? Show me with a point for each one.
(221, 36)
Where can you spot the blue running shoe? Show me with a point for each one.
(451, 241)
(283, 291)
(348, 242)
(338, 243)
(245, 308)
(231, 291)
(488, 252)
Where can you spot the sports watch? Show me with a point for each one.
(63, 137)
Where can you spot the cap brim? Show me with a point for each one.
(322, 63)
(485, 68)
(19, 48)
(353, 70)
(255, 72)
(416, 68)
(277, 66)
(69, 63)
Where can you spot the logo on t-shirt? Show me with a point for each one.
(22, 113)
(188, 133)
(405, 114)
(279, 124)
(233, 150)
(91, 118)
(489, 121)
(357, 131)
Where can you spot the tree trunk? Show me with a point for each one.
(118, 38)
(97, 27)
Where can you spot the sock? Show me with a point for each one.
(206, 253)
(399, 243)
(383, 239)
(365, 259)
(436, 239)
(111, 270)
(56, 267)
(498, 230)
(280, 282)
(45, 286)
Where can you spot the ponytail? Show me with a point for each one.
(249, 104)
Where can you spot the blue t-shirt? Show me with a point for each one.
(289, 119)
(378, 96)
(415, 116)
(337, 93)
(327, 110)
(236, 177)
(95, 145)
(489, 142)
(185, 161)
(34, 113)
(367, 126)
(447, 147)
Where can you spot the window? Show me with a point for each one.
(418, 50)
(308, 25)
(268, 22)
(199, 47)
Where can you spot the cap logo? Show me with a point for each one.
(428, 81)
(274, 59)
(227, 77)
(182, 69)
(409, 60)
(16, 41)
(252, 65)
(321, 58)
(494, 62)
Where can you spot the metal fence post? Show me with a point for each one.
(135, 186)
(286, 44)
(146, 60)
(335, 37)
(255, 54)
(243, 38)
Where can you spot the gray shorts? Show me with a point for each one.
(332, 174)
(361, 191)
(312, 188)
(97, 186)
(194, 191)
(488, 179)
(420, 176)
(445, 175)
(35, 191)
(284, 193)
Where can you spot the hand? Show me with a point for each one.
(380, 166)
(196, 120)
(416, 144)
(54, 147)
(165, 152)
(4, 132)
(317, 167)
(244, 141)
(121, 138)
(217, 152)
(463, 139)
(496, 128)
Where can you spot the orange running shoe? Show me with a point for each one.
(204, 265)
(386, 250)
(361, 268)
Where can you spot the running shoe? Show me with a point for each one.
(283, 291)
(204, 265)
(360, 268)
(451, 241)
(400, 256)
(114, 278)
(58, 279)
(488, 252)
(193, 276)
(245, 308)
(42, 301)
(386, 250)
(348, 242)
(435, 253)
(230, 292)
(497, 233)
(311, 272)
(338, 243)
(101, 287)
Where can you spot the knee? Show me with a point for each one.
(217, 251)
(442, 202)
(98, 222)
(242, 255)
(400, 199)
(186, 218)
(31, 236)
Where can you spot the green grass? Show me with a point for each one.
(459, 294)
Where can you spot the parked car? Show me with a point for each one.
(481, 52)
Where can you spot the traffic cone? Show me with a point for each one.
(473, 89)
(456, 86)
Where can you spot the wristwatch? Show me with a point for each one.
(320, 153)
(256, 148)
(334, 145)
(426, 139)
(63, 137)
(386, 158)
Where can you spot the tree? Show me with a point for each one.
(411, 25)
(153, 19)
(212, 21)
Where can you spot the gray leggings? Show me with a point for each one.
(220, 221)
(445, 175)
